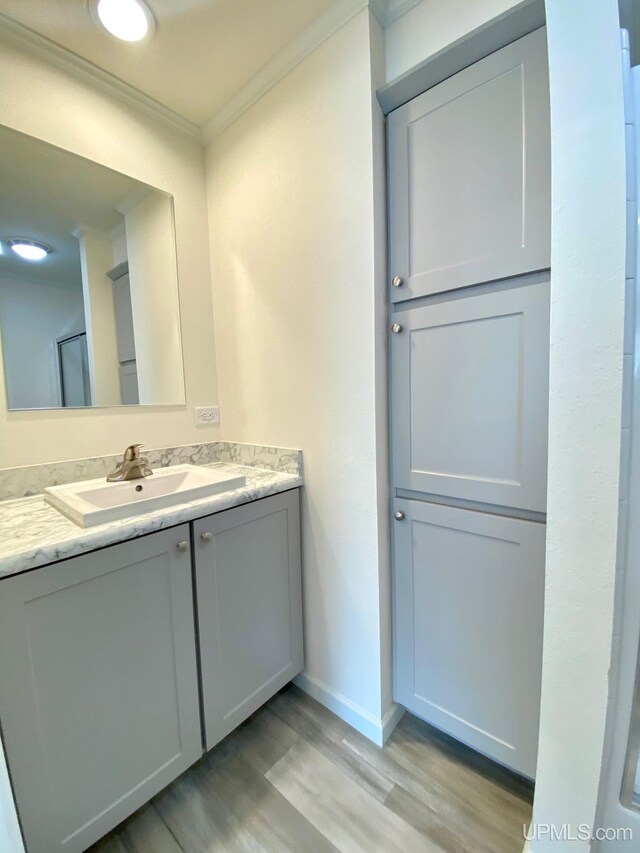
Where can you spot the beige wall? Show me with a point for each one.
(301, 336)
(71, 114)
(96, 254)
(154, 299)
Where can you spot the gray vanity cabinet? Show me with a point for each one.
(249, 607)
(98, 686)
(469, 175)
(470, 395)
(469, 591)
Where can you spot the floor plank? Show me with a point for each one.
(349, 816)
(294, 778)
(141, 833)
(289, 710)
(472, 811)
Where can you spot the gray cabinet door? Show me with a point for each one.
(124, 319)
(98, 687)
(470, 397)
(469, 175)
(468, 610)
(249, 607)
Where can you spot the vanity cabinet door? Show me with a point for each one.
(470, 379)
(98, 687)
(469, 175)
(249, 607)
(468, 612)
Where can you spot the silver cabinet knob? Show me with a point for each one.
(396, 328)
(206, 537)
(397, 281)
(183, 546)
(398, 515)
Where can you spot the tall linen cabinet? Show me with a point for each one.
(469, 226)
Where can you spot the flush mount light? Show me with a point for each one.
(29, 250)
(126, 20)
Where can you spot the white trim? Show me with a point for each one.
(377, 730)
(98, 77)
(335, 17)
(397, 8)
(390, 721)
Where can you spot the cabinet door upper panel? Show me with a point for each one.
(469, 175)
(470, 397)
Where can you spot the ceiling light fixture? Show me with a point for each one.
(126, 20)
(29, 250)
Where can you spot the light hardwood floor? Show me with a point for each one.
(296, 778)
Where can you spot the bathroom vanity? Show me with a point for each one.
(121, 665)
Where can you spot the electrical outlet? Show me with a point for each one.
(207, 415)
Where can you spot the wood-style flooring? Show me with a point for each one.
(294, 777)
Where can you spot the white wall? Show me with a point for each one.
(96, 253)
(587, 303)
(75, 116)
(154, 299)
(432, 25)
(300, 337)
(33, 314)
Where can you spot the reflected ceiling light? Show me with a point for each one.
(127, 20)
(29, 250)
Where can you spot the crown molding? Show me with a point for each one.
(332, 20)
(321, 29)
(397, 8)
(86, 71)
(82, 230)
(380, 9)
(132, 199)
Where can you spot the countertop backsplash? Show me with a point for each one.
(31, 480)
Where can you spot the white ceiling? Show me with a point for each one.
(203, 52)
(46, 193)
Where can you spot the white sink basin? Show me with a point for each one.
(97, 502)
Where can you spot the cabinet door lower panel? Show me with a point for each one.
(468, 615)
(249, 608)
(98, 687)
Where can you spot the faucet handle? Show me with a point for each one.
(132, 453)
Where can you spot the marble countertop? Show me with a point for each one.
(33, 533)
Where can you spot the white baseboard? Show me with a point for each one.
(377, 730)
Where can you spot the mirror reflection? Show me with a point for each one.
(89, 309)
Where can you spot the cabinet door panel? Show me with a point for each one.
(99, 690)
(469, 175)
(249, 608)
(468, 611)
(470, 397)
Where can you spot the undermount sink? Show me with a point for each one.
(98, 502)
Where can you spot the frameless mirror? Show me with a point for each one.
(89, 308)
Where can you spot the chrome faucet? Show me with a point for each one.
(132, 467)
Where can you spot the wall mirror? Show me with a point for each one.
(89, 306)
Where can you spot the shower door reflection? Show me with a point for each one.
(74, 371)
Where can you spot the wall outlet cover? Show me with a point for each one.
(207, 415)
